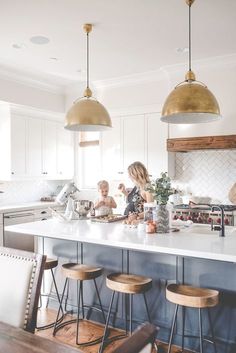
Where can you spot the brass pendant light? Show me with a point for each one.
(87, 114)
(191, 102)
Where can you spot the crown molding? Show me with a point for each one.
(30, 81)
(139, 110)
(209, 63)
(166, 71)
(149, 76)
(35, 112)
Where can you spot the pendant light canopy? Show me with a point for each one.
(191, 102)
(87, 114)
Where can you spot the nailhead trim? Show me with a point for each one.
(22, 258)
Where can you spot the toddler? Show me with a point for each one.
(104, 205)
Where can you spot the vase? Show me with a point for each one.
(162, 219)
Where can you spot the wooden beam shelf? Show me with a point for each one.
(201, 143)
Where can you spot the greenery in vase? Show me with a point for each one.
(161, 189)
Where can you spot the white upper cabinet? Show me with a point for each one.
(134, 140)
(157, 156)
(65, 152)
(112, 164)
(18, 146)
(49, 143)
(34, 147)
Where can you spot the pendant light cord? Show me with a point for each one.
(87, 60)
(189, 39)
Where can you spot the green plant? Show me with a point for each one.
(161, 189)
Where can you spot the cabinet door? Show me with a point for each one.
(65, 152)
(134, 140)
(18, 145)
(112, 165)
(34, 147)
(157, 155)
(49, 148)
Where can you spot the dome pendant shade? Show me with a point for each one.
(87, 114)
(190, 103)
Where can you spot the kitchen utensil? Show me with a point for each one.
(83, 207)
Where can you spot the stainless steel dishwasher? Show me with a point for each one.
(14, 240)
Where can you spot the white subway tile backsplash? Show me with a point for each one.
(27, 191)
(206, 173)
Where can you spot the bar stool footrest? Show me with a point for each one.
(72, 321)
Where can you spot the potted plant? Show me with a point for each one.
(161, 190)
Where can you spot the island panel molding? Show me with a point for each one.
(201, 143)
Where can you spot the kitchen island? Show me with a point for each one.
(194, 256)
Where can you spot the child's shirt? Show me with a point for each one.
(103, 210)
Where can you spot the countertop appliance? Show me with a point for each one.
(202, 214)
(22, 242)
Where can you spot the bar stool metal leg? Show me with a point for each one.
(82, 297)
(107, 322)
(78, 313)
(146, 306)
(183, 326)
(60, 304)
(211, 330)
(173, 327)
(99, 299)
(200, 330)
(130, 313)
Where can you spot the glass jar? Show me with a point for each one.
(150, 212)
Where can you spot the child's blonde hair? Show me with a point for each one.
(139, 173)
(102, 183)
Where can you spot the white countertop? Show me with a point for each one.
(190, 242)
(26, 206)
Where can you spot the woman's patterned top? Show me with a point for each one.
(135, 201)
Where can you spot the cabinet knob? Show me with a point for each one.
(12, 173)
(120, 172)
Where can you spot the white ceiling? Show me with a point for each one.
(129, 36)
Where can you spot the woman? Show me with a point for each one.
(138, 195)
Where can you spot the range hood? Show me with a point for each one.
(201, 143)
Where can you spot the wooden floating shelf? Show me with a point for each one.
(201, 143)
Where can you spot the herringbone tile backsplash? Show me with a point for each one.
(206, 173)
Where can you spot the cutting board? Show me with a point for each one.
(109, 219)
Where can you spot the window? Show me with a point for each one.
(89, 159)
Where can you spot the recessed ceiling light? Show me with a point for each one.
(39, 40)
(18, 46)
(182, 50)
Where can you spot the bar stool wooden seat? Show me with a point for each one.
(50, 264)
(79, 273)
(192, 297)
(128, 284)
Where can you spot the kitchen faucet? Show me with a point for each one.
(221, 228)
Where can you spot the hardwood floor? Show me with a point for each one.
(89, 330)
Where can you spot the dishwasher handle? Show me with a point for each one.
(19, 215)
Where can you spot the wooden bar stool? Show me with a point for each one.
(192, 297)
(126, 284)
(80, 273)
(50, 264)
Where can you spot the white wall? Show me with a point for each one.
(15, 92)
